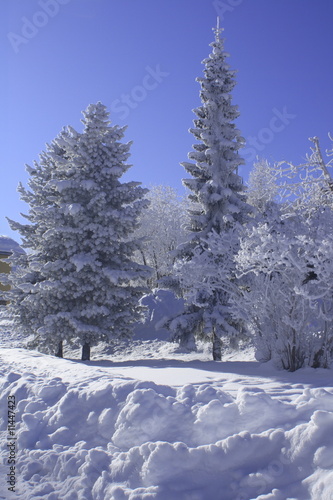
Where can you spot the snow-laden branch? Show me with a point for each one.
(309, 184)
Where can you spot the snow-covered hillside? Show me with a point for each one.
(151, 423)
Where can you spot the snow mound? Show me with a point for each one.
(85, 431)
(8, 245)
(160, 304)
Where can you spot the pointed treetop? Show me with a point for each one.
(217, 30)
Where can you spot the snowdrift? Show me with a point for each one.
(105, 430)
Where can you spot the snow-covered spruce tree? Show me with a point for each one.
(162, 228)
(218, 200)
(79, 280)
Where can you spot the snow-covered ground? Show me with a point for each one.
(149, 423)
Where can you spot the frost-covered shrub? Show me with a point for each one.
(289, 303)
(162, 225)
(307, 187)
(262, 186)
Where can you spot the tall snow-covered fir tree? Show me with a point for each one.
(218, 198)
(215, 184)
(79, 280)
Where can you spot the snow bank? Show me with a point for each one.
(84, 432)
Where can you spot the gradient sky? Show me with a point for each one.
(141, 58)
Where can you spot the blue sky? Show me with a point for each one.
(141, 58)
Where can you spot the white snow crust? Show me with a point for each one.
(148, 422)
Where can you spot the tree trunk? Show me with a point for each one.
(143, 257)
(217, 347)
(60, 351)
(85, 352)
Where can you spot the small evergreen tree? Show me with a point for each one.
(217, 195)
(209, 279)
(79, 280)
